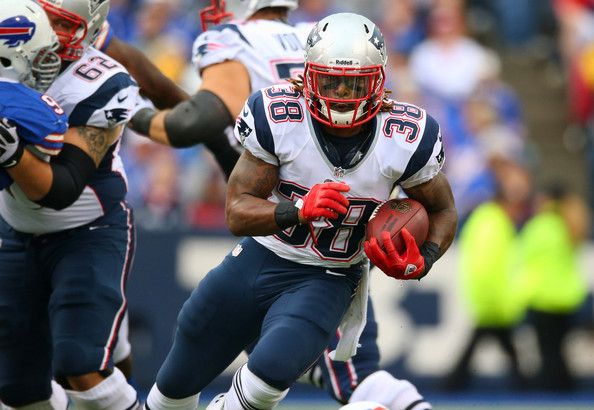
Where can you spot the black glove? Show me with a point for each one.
(11, 149)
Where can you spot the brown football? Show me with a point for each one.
(395, 214)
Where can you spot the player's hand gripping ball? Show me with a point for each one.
(364, 405)
(394, 233)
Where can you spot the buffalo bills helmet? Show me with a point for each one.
(27, 44)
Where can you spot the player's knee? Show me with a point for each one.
(72, 358)
(21, 393)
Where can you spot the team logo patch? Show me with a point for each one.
(314, 37)
(95, 4)
(116, 115)
(15, 31)
(243, 129)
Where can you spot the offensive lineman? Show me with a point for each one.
(326, 155)
(71, 231)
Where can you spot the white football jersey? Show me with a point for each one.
(276, 127)
(93, 91)
(271, 50)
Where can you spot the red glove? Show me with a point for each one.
(408, 265)
(324, 200)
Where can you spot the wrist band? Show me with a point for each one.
(430, 253)
(286, 214)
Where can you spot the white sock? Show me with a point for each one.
(58, 401)
(158, 401)
(248, 391)
(113, 393)
(383, 388)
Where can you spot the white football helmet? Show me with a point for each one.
(77, 23)
(345, 58)
(27, 44)
(256, 5)
(364, 405)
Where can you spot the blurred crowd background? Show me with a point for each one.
(509, 81)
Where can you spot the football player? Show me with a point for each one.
(234, 60)
(70, 232)
(319, 156)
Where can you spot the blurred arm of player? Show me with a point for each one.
(204, 117)
(154, 85)
(60, 182)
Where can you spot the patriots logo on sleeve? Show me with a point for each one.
(116, 115)
(243, 129)
(205, 48)
(15, 31)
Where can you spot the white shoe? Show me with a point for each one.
(218, 403)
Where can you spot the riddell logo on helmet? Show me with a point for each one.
(344, 62)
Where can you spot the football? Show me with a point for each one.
(395, 214)
(363, 405)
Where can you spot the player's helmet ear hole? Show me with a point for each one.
(5, 62)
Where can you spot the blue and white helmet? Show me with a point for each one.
(27, 44)
(256, 5)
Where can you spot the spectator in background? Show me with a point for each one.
(493, 291)
(550, 242)
(448, 64)
(312, 11)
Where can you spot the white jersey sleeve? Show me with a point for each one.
(95, 91)
(271, 51)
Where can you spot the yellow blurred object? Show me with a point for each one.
(586, 64)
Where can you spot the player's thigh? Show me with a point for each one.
(89, 269)
(341, 378)
(25, 367)
(215, 324)
(298, 326)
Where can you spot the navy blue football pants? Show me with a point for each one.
(292, 310)
(61, 302)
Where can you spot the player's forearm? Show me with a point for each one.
(251, 216)
(32, 175)
(157, 131)
(442, 228)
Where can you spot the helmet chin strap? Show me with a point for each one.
(343, 118)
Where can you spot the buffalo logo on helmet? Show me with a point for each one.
(16, 31)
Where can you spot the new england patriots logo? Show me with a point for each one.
(15, 31)
(314, 36)
(94, 5)
(116, 115)
(243, 129)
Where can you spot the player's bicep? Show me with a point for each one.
(435, 194)
(92, 140)
(230, 81)
(251, 176)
